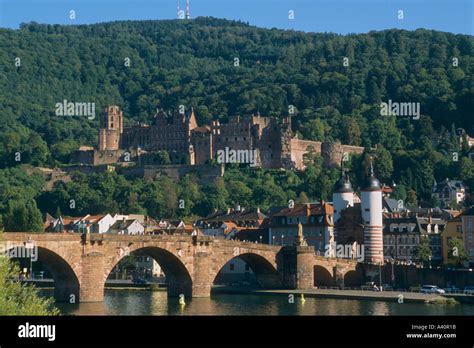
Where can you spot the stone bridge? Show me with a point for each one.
(80, 264)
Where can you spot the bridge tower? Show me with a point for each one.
(343, 195)
(371, 205)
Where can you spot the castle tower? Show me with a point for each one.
(111, 128)
(371, 205)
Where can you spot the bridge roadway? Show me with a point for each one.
(81, 263)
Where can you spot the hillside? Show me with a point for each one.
(192, 63)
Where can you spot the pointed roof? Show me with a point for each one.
(192, 120)
(371, 183)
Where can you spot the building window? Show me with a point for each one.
(232, 267)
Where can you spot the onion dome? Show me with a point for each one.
(371, 183)
(343, 184)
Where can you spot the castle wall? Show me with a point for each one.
(205, 173)
(299, 148)
(332, 152)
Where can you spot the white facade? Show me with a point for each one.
(341, 201)
(371, 205)
(103, 225)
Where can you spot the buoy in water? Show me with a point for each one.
(182, 302)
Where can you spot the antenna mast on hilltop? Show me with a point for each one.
(188, 15)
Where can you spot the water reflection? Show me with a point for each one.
(133, 302)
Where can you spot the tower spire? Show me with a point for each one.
(188, 15)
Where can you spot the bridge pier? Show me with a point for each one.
(304, 267)
(201, 275)
(92, 277)
(338, 276)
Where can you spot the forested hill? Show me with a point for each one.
(176, 62)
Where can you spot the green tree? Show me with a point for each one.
(456, 250)
(23, 216)
(423, 251)
(17, 298)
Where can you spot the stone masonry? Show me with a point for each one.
(80, 264)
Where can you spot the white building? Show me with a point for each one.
(449, 191)
(372, 216)
(129, 227)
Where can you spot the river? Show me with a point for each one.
(144, 302)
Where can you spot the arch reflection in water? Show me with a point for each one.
(142, 302)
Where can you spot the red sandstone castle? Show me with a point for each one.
(187, 143)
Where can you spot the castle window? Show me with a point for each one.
(111, 125)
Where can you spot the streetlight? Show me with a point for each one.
(260, 239)
(380, 271)
(273, 240)
(29, 245)
(282, 237)
(429, 258)
(393, 275)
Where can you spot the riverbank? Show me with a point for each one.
(389, 296)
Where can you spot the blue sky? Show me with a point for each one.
(339, 16)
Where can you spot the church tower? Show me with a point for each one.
(111, 128)
(371, 205)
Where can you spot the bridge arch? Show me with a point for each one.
(66, 280)
(263, 268)
(178, 276)
(352, 277)
(322, 276)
